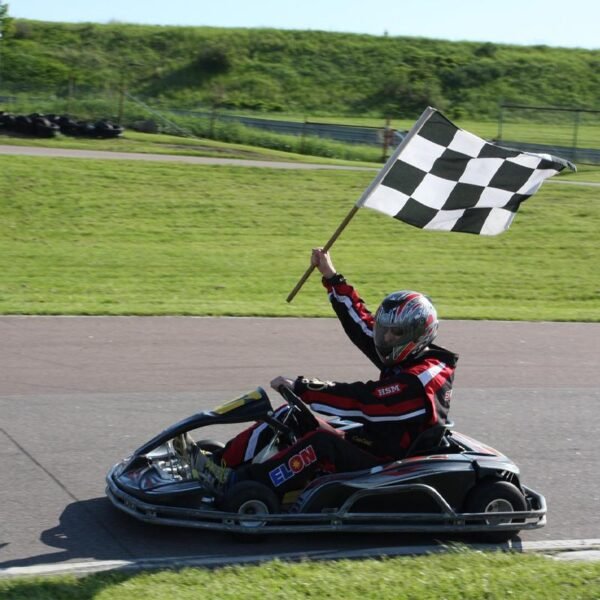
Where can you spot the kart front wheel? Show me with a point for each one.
(249, 499)
(494, 497)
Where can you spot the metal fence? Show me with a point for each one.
(350, 134)
(571, 133)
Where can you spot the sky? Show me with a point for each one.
(525, 22)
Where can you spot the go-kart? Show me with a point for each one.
(447, 483)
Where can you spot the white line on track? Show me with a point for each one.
(562, 549)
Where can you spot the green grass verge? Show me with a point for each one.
(126, 237)
(454, 576)
(585, 173)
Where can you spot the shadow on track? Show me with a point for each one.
(94, 530)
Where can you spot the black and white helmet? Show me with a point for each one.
(405, 324)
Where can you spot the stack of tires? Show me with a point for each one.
(38, 125)
(35, 125)
(99, 129)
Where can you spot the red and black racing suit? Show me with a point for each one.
(405, 400)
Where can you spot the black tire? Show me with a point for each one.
(249, 498)
(496, 496)
(24, 125)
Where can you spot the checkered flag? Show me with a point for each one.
(442, 177)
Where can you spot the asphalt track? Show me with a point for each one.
(78, 393)
(179, 158)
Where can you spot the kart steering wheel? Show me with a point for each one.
(294, 401)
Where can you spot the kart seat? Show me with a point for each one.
(433, 439)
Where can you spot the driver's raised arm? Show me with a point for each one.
(350, 308)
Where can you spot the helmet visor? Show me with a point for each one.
(389, 339)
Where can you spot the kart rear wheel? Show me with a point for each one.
(249, 498)
(496, 496)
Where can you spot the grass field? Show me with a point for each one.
(455, 576)
(124, 237)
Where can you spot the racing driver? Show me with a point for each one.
(412, 393)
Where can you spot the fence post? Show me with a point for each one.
(211, 122)
(303, 136)
(576, 133)
(70, 93)
(121, 106)
(388, 135)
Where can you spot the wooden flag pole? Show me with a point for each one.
(326, 247)
(376, 181)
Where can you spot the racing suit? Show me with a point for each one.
(406, 399)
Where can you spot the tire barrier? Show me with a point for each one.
(47, 126)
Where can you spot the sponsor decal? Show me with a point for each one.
(389, 390)
(233, 404)
(295, 464)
